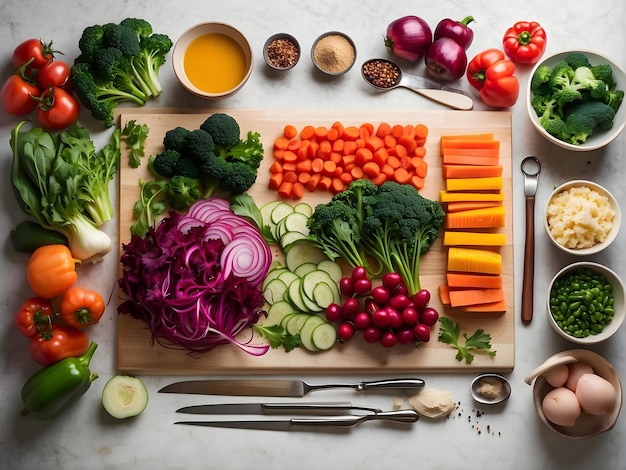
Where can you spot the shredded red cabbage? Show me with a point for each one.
(195, 278)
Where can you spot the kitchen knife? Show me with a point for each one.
(278, 387)
(274, 408)
(308, 423)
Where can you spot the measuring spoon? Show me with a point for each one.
(431, 89)
(531, 167)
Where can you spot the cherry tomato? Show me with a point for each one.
(81, 307)
(58, 110)
(54, 73)
(58, 343)
(34, 316)
(40, 52)
(17, 96)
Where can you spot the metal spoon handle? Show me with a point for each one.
(528, 279)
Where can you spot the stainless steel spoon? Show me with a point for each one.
(431, 89)
(530, 168)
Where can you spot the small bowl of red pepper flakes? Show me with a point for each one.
(281, 51)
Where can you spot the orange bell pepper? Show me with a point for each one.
(51, 270)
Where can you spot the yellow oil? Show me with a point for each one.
(214, 63)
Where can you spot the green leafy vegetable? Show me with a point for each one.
(277, 337)
(245, 206)
(134, 135)
(450, 332)
(62, 181)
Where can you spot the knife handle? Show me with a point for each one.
(451, 99)
(392, 384)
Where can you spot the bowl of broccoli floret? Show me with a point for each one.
(575, 99)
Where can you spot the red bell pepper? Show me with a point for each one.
(525, 42)
(56, 343)
(491, 73)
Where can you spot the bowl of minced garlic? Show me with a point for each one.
(333, 53)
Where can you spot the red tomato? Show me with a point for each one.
(35, 316)
(33, 49)
(18, 96)
(54, 73)
(58, 110)
(58, 343)
(494, 76)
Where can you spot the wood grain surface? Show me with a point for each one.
(135, 352)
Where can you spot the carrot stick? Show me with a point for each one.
(469, 205)
(471, 171)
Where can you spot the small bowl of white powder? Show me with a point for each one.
(582, 217)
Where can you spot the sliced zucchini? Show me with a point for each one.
(333, 269)
(296, 222)
(272, 274)
(305, 268)
(288, 276)
(277, 312)
(290, 237)
(323, 336)
(304, 208)
(280, 211)
(312, 279)
(303, 252)
(274, 291)
(266, 211)
(323, 295)
(306, 332)
(294, 325)
(294, 296)
(311, 305)
(124, 396)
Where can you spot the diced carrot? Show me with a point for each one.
(346, 177)
(338, 126)
(285, 189)
(304, 177)
(362, 156)
(380, 179)
(337, 158)
(338, 145)
(421, 131)
(329, 168)
(420, 151)
(371, 169)
(492, 307)
(325, 182)
(289, 166)
(360, 143)
(393, 161)
(489, 217)
(463, 238)
(470, 205)
(276, 167)
(325, 150)
(409, 130)
(321, 132)
(281, 142)
(406, 163)
(390, 141)
(470, 171)
(307, 133)
(397, 130)
(317, 165)
(350, 147)
(312, 149)
(485, 281)
(402, 176)
(489, 183)
(380, 156)
(348, 160)
(290, 131)
(276, 180)
(294, 145)
(278, 154)
(383, 130)
(304, 166)
(290, 156)
(337, 185)
(400, 150)
(408, 142)
(290, 176)
(417, 182)
(474, 260)
(420, 165)
(313, 181)
(464, 297)
(470, 160)
(303, 152)
(374, 143)
(444, 294)
(388, 170)
(332, 134)
(356, 172)
(298, 190)
(368, 127)
(351, 133)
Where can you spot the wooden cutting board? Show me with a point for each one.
(135, 352)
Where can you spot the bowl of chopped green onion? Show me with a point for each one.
(574, 99)
(586, 302)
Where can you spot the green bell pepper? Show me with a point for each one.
(54, 388)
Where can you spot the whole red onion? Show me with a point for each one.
(409, 37)
(446, 59)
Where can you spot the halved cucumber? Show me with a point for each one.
(303, 252)
(124, 396)
(323, 336)
(306, 332)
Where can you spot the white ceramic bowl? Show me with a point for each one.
(599, 138)
(597, 247)
(278, 37)
(586, 425)
(201, 29)
(618, 305)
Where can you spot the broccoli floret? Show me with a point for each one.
(176, 138)
(614, 98)
(199, 146)
(333, 227)
(238, 177)
(576, 59)
(181, 192)
(126, 57)
(583, 118)
(223, 128)
(165, 163)
(187, 167)
(249, 151)
(603, 72)
(101, 97)
(539, 83)
(586, 80)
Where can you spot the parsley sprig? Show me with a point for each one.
(449, 333)
(277, 336)
(135, 135)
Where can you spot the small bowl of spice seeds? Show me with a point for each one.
(333, 53)
(281, 51)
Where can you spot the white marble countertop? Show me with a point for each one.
(507, 437)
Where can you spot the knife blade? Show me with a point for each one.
(279, 387)
(300, 424)
(274, 408)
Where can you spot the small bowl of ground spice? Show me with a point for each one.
(333, 53)
(281, 51)
(490, 389)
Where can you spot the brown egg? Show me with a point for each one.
(561, 407)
